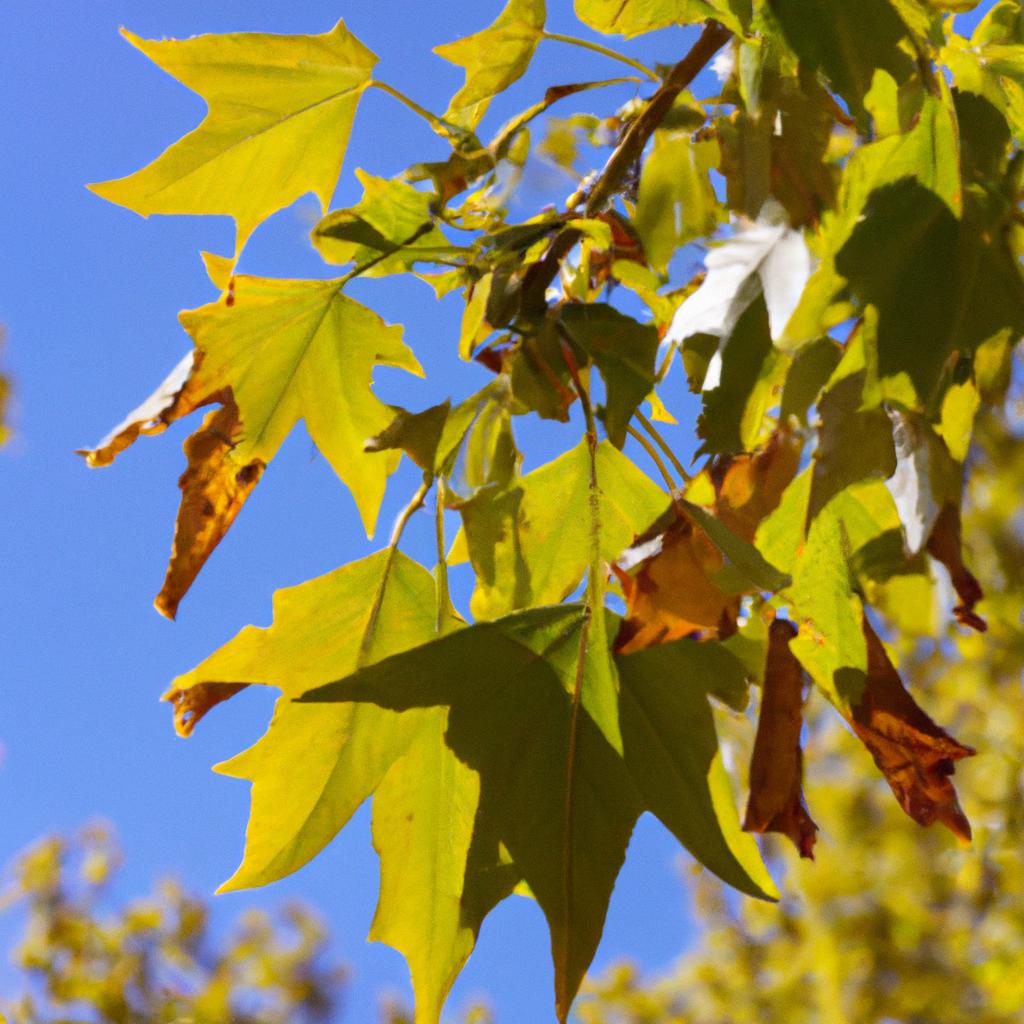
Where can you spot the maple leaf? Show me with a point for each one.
(693, 563)
(527, 551)
(635, 17)
(494, 58)
(337, 755)
(282, 105)
(776, 801)
(553, 791)
(273, 351)
(847, 43)
(392, 223)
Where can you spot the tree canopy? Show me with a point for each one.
(854, 178)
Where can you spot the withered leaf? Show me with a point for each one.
(944, 545)
(151, 417)
(776, 801)
(915, 755)
(749, 487)
(191, 704)
(673, 594)
(214, 488)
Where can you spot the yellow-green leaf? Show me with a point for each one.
(274, 352)
(318, 763)
(280, 113)
(527, 544)
(635, 17)
(553, 791)
(392, 223)
(493, 58)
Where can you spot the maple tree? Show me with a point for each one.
(858, 172)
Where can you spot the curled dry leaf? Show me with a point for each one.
(151, 417)
(673, 595)
(915, 755)
(945, 546)
(776, 801)
(675, 592)
(214, 488)
(191, 704)
(749, 487)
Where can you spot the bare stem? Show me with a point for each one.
(585, 44)
(655, 457)
(662, 444)
(378, 598)
(441, 571)
(441, 126)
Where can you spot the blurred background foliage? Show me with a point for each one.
(156, 960)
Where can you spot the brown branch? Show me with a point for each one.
(542, 273)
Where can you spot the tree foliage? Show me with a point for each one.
(888, 925)
(858, 175)
(156, 960)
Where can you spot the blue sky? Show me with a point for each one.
(89, 294)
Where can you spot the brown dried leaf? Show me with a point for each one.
(673, 595)
(191, 704)
(945, 546)
(213, 489)
(748, 487)
(916, 757)
(153, 416)
(776, 801)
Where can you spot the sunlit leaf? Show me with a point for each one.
(552, 791)
(282, 104)
(273, 350)
(635, 17)
(526, 543)
(493, 58)
(318, 763)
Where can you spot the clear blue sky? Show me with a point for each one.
(90, 294)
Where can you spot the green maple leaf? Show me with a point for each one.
(623, 349)
(635, 17)
(553, 791)
(493, 58)
(846, 41)
(317, 764)
(273, 351)
(525, 541)
(392, 222)
(280, 113)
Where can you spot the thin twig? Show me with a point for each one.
(662, 444)
(670, 484)
(542, 273)
(441, 571)
(585, 44)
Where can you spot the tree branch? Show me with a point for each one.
(542, 273)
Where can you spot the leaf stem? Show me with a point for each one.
(441, 570)
(439, 124)
(404, 516)
(655, 457)
(586, 44)
(423, 229)
(663, 445)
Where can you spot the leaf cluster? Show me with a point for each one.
(857, 177)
